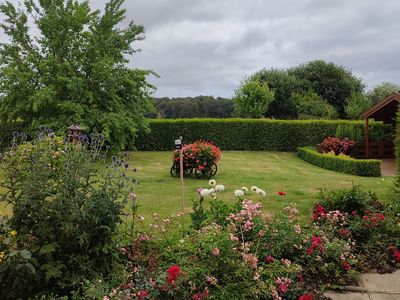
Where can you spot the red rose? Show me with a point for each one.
(396, 254)
(344, 231)
(346, 266)
(269, 259)
(281, 193)
(173, 273)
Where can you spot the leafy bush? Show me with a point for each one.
(357, 215)
(64, 212)
(336, 145)
(341, 163)
(252, 99)
(312, 106)
(17, 267)
(356, 104)
(242, 134)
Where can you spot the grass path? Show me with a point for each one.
(271, 171)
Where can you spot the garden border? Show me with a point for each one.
(348, 165)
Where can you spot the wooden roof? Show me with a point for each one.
(384, 110)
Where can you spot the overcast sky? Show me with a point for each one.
(205, 47)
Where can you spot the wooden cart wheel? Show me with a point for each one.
(188, 171)
(205, 174)
(214, 169)
(174, 170)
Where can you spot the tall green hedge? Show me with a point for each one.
(242, 134)
(360, 167)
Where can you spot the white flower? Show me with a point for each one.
(244, 189)
(212, 190)
(254, 188)
(239, 193)
(261, 192)
(219, 188)
(212, 182)
(205, 193)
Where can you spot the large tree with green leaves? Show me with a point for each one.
(74, 70)
(331, 82)
(252, 99)
(381, 91)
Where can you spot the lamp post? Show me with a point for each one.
(178, 146)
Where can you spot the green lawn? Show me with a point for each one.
(159, 193)
(272, 171)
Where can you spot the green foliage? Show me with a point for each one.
(358, 215)
(75, 72)
(199, 214)
(312, 106)
(66, 213)
(351, 132)
(17, 267)
(252, 99)
(331, 82)
(347, 200)
(284, 85)
(242, 134)
(341, 163)
(356, 104)
(192, 107)
(381, 91)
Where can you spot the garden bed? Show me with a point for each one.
(341, 163)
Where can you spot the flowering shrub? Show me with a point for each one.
(64, 213)
(357, 216)
(336, 145)
(199, 155)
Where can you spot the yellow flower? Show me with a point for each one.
(13, 233)
(1, 256)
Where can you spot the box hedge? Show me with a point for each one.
(343, 164)
(242, 134)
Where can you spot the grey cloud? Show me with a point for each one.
(207, 47)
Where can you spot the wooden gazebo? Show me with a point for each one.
(384, 111)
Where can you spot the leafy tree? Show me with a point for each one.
(74, 71)
(331, 82)
(312, 106)
(356, 104)
(192, 107)
(284, 85)
(252, 99)
(380, 91)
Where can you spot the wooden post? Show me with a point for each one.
(181, 172)
(366, 138)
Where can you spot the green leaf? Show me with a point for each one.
(47, 249)
(25, 254)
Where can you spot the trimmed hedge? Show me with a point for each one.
(397, 180)
(241, 134)
(360, 167)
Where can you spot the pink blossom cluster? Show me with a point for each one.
(250, 259)
(246, 215)
(283, 284)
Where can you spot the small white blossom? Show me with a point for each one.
(239, 193)
(219, 188)
(205, 193)
(212, 182)
(244, 189)
(254, 188)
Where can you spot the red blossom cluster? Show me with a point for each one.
(199, 155)
(373, 219)
(283, 284)
(316, 243)
(173, 272)
(336, 145)
(201, 296)
(319, 213)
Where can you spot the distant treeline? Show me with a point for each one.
(192, 107)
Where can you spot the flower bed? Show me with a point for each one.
(341, 163)
(241, 250)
